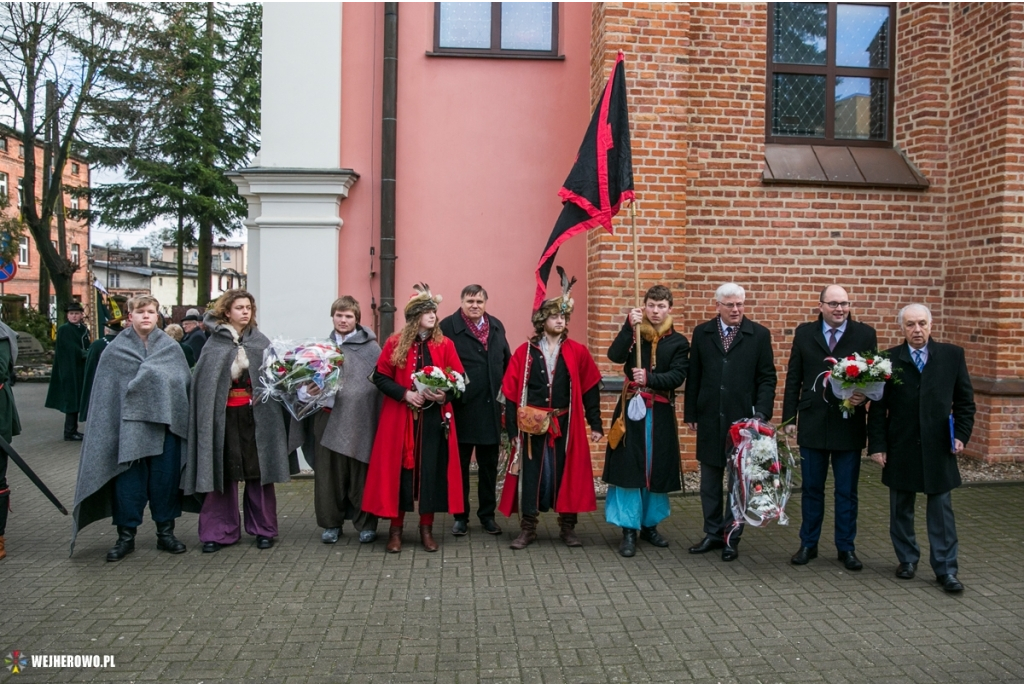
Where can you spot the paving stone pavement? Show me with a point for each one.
(478, 612)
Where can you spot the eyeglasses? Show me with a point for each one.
(837, 305)
(732, 305)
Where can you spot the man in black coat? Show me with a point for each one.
(195, 336)
(68, 374)
(644, 466)
(731, 377)
(915, 432)
(480, 342)
(825, 432)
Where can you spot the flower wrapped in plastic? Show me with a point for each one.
(762, 465)
(442, 380)
(864, 373)
(301, 376)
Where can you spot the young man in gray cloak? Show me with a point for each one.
(230, 437)
(10, 425)
(343, 431)
(137, 418)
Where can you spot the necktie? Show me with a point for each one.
(918, 361)
(831, 339)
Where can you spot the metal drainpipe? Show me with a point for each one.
(389, 126)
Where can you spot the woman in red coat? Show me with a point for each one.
(416, 452)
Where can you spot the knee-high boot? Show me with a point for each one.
(527, 532)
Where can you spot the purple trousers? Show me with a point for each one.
(219, 521)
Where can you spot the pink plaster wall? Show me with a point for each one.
(362, 44)
(483, 147)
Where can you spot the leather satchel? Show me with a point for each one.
(618, 429)
(533, 420)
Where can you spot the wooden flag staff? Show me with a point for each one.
(636, 279)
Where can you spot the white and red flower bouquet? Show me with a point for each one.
(301, 376)
(442, 380)
(865, 373)
(762, 465)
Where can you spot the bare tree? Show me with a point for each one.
(74, 46)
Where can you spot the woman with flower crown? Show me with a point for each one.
(415, 454)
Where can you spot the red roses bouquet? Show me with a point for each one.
(762, 464)
(443, 380)
(865, 373)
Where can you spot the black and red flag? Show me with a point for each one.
(600, 180)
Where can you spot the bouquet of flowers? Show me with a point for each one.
(864, 373)
(442, 380)
(762, 464)
(301, 376)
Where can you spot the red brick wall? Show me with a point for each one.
(697, 90)
(26, 282)
(655, 40)
(985, 238)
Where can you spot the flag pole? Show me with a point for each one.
(636, 279)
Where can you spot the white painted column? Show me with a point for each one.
(296, 186)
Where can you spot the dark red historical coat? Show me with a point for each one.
(576, 493)
(395, 434)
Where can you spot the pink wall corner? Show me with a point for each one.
(362, 46)
(483, 147)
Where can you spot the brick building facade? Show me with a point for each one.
(76, 173)
(697, 78)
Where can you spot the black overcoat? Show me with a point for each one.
(911, 421)
(478, 412)
(626, 466)
(68, 374)
(722, 388)
(808, 395)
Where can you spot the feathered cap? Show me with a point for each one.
(562, 304)
(421, 302)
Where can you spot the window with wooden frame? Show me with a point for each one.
(830, 73)
(496, 29)
(3, 144)
(829, 109)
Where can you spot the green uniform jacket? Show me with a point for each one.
(92, 360)
(68, 373)
(10, 424)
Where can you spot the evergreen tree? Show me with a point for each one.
(193, 116)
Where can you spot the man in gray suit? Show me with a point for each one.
(915, 432)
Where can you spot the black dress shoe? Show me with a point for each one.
(74, 437)
(459, 528)
(949, 583)
(706, 545)
(628, 546)
(490, 527)
(263, 542)
(652, 536)
(211, 547)
(730, 553)
(905, 571)
(804, 555)
(850, 561)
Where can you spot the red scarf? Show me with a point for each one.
(482, 332)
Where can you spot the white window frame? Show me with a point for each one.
(24, 251)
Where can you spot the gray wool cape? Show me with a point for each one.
(353, 423)
(140, 392)
(211, 380)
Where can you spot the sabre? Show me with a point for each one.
(16, 458)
